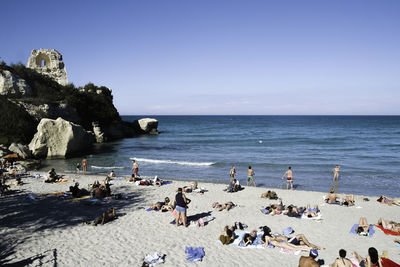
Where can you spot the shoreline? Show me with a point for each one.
(57, 224)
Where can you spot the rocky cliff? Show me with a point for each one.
(26, 97)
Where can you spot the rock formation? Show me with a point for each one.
(12, 85)
(98, 133)
(22, 150)
(148, 125)
(59, 139)
(48, 62)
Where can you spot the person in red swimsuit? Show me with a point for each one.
(289, 177)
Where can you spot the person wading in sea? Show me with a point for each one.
(289, 177)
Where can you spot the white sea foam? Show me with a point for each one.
(106, 167)
(159, 161)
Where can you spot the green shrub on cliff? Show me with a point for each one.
(16, 124)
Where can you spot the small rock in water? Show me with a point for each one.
(260, 141)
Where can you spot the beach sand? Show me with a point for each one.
(50, 231)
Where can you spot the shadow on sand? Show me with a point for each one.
(19, 211)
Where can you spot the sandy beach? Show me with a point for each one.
(49, 231)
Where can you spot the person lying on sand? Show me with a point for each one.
(293, 211)
(372, 259)
(228, 205)
(105, 218)
(342, 261)
(269, 194)
(387, 201)
(275, 209)
(190, 188)
(228, 235)
(165, 205)
(311, 212)
(389, 225)
(248, 239)
(363, 227)
(348, 200)
(78, 192)
(299, 242)
(332, 198)
(157, 181)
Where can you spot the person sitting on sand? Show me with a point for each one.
(372, 259)
(238, 187)
(4, 188)
(228, 205)
(363, 227)
(248, 239)
(102, 191)
(342, 261)
(387, 201)
(53, 177)
(105, 218)
(228, 235)
(78, 192)
(310, 260)
(348, 200)
(332, 198)
(389, 225)
(134, 178)
(112, 175)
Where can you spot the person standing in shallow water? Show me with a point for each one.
(289, 177)
(135, 168)
(336, 174)
(250, 175)
(84, 165)
(232, 172)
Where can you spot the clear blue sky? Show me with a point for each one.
(220, 57)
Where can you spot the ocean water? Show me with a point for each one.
(205, 148)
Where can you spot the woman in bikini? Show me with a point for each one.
(389, 225)
(387, 201)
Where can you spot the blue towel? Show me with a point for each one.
(194, 253)
(265, 211)
(397, 244)
(371, 230)
(167, 182)
(256, 242)
(150, 209)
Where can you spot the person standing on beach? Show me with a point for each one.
(289, 177)
(181, 204)
(233, 172)
(84, 165)
(336, 174)
(250, 175)
(135, 168)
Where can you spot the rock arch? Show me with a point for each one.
(48, 62)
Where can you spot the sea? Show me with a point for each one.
(204, 148)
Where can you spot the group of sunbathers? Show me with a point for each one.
(333, 198)
(297, 242)
(166, 205)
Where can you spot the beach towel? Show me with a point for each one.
(256, 244)
(397, 245)
(371, 230)
(265, 211)
(153, 259)
(388, 263)
(319, 217)
(151, 210)
(386, 231)
(289, 251)
(194, 253)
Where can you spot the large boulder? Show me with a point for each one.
(13, 85)
(147, 125)
(22, 150)
(59, 139)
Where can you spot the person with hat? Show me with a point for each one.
(310, 260)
